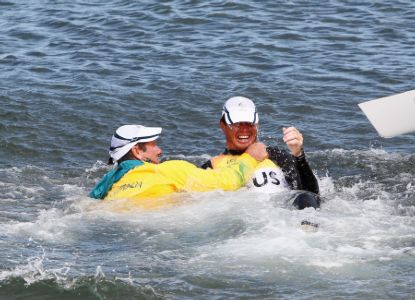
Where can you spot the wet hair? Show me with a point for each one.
(129, 155)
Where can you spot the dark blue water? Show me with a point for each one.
(72, 72)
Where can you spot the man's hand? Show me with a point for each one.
(257, 151)
(294, 140)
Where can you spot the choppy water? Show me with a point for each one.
(71, 72)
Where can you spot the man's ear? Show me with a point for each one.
(222, 125)
(137, 152)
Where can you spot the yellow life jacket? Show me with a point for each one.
(156, 180)
(267, 177)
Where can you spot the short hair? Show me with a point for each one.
(129, 154)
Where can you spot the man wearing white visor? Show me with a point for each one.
(282, 171)
(139, 176)
(128, 136)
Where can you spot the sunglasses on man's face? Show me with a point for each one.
(239, 125)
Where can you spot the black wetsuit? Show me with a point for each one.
(297, 173)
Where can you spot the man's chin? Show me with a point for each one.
(242, 146)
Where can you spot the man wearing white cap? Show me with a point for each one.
(283, 170)
(138, 174)
(127, 136)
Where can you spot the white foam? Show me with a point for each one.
(98, 165)
(224, 232)
(34, 271)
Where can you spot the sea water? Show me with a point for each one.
(72, 72)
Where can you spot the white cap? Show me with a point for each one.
(127, 136)
(240, 109)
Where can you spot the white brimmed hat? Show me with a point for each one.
(127, 136)
(239, 109)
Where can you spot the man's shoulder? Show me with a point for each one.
(275, 153)
(281, 157)
(218, 159)
(207, 165)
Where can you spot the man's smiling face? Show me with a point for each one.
(239, 135)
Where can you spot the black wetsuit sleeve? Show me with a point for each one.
(296, 170)
(308, 179)
(207, 165)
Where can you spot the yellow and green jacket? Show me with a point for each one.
(148, 180)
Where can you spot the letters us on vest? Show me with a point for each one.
(268, 180)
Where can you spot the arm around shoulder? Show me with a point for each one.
(187, 177)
